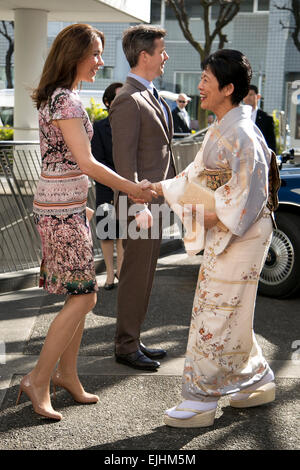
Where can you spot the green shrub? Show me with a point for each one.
(95, 111)
(6, 133)
(279, 145)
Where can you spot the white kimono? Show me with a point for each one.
(223, 356)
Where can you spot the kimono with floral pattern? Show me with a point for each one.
(223, 356)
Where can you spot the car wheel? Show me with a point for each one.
(280, 276)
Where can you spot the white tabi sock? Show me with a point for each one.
(191, 405)
(269, 377)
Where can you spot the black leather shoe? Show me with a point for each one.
(153, 353)
(137, 360)
(109, 286)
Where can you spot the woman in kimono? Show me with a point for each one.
(223, 357)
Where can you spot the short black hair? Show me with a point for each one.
(110, 93)
(230, 66)
(254, 88)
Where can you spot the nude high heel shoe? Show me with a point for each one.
(28, 389)
(84, 397)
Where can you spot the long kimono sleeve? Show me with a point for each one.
(240, 201)
(173, 190)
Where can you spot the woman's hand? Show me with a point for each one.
(89, 213)
(143, 192)
(157, 187)
(210, 219)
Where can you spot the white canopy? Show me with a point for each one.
(113, 11)
(30, 20)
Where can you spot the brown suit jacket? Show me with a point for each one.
(141, 149)
(140, 134)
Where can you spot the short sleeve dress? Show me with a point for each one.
(59, 204)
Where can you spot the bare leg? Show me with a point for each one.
(66, 374)
(60, 334)
(107, 247)
(68, 360)
(120, 254)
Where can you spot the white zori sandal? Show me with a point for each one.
(260, 396)
(190, 415)
(257, 394)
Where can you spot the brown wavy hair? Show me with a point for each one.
(140, 38)
(69, 48)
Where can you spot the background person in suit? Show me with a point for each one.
(263, 121)
(102, 151)
(142, 131)
(181, 118)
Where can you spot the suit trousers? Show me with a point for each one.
(135, 284)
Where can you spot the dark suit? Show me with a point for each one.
(141, 149)
(180, 125)
(102, 150)
(266, 125)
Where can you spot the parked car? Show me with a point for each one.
(280, 276)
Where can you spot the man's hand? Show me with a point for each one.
(144, 219)
(144, 193)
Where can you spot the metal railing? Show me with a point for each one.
(20, 164)
(20, 246)
(185, 149)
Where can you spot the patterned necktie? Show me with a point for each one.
(155, 93)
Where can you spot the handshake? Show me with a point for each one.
(146, 192)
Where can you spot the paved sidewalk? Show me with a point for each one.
(129, 413)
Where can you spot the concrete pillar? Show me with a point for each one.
(29, 56)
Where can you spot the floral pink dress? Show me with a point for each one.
(59, 204)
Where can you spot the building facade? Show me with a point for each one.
(256, 31)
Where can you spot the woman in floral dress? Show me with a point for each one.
(60, 209)
(223, 357)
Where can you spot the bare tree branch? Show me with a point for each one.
(226, 15)
(294, 8)
(182, 18)
(227, 11)
(9, 52)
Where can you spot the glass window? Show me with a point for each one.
(215, 11)
(54, 27)
(246, 6)
(297, 126)
(155, 11)
(187, 82)
(105, 72)
(2, 77)
(193, 9)
(263, 5)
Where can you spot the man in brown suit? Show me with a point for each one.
(142, 130)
